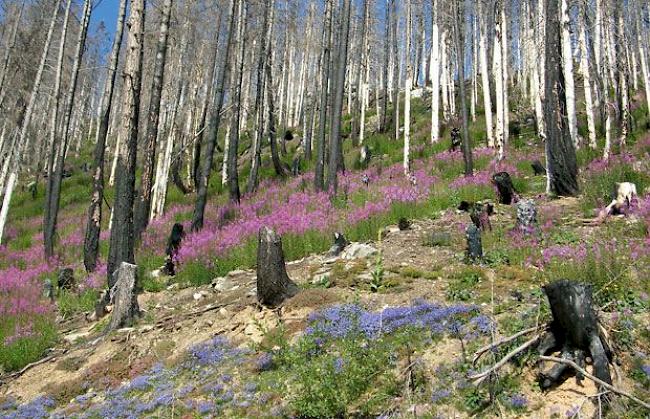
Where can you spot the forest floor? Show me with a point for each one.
(82, 380)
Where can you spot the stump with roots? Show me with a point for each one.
(273, 283)
(123, 297)
(574, 331)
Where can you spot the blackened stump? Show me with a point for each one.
(474, 245)
(403, 224)
(173, 245)
(505, 188)
(574, 331)
(123, 297)
(364, 157)
(340, 242)
(273, 283)
(65, 279)
(538, 168)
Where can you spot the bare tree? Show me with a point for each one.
(93, 225)
(56, 178)
(210, 134)
(143, 203)
(319, 182)
(337, 103)
(561, 160)
(122, 240)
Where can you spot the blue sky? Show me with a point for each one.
(106, 11)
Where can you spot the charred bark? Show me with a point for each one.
(123, 297)
(273, 283)
(575, 332)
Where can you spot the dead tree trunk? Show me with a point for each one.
(273, 283)
(574, 331)
(122, 239)
(123, 297)
(319, 176)
(210, 135)
(93, 226)
(143, 204)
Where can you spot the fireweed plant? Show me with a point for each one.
(307, 219)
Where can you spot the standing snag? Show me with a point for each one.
(123, 297)
(273, 283)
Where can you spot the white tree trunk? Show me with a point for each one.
(407, 93)
(569, 83)
(111, 179)
(644, 68)
(6, 201)
(434, 69)
(485, 80)
(504, 69)
(498, 80)
(586, 77)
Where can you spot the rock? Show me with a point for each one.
(236, 272)
(73, 337)
(358, 251)
(48, 290)
(222, 284)
(198, 296)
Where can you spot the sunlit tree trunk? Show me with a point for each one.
(122, 240)
(497, 70)
(9, 50)
(586, 77)
(335, 160)
(485, 78)
(408, 85)
(567, 67)
(326, 44)
(434, 69)
(54, 140)
(143, 203)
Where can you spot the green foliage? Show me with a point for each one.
(15, 354)
(71, 303)
(377, 282)
(461, 285)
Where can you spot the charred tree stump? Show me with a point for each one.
(123, 296)
(273, 283)
(538, 168)
(505, 189)
(527, 216)
(474, 244)
(65, 279)
(173, 245)
(340, 242)
(574, 331)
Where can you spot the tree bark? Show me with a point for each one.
(143, 203)
(259, 97)
(122, 238)
(8, 51)
(561, 160)
(408, 86)
(273, 283)
(319, 182)
(124, 298)
(569, 82)
(460, 55)
(210, 135)
(337, 104)
(434, 70)
(54, 139)
(384, 107)
(55, 179)
(575, 331)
